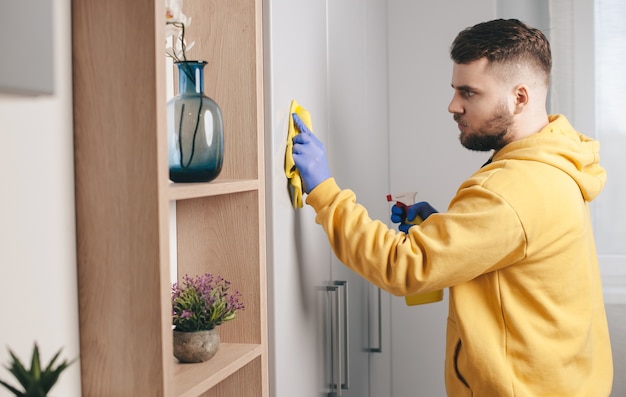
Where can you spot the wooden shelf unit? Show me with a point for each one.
(123, 198)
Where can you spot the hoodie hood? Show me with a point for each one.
(561, 146)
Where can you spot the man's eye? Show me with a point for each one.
(467, 93)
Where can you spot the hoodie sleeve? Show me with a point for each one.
(480, 233)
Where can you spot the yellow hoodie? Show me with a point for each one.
(516, 249)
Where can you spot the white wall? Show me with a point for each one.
(37, 236)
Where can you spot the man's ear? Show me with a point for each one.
(521, 98)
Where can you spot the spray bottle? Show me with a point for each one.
(404, 201)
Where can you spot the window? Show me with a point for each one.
(610, 104)
(588, 38)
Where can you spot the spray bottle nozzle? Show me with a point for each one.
(403, 198)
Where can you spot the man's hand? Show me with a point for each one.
(310, 156)
(411, 215)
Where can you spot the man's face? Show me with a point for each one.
(480, 106)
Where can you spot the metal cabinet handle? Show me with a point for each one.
(379, 349)
(339, 341)
(334, 342)
(346, 335)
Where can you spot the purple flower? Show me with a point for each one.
(203, 302)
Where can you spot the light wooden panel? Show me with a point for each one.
(220, 235)
(225, 35)
(194, 379)
(119, 207)
(245, 383)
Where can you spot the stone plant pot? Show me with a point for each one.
(197, 346)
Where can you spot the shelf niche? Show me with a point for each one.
(123, 198)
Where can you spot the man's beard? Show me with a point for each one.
(492, 136)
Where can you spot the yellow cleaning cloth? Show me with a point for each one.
(293, 175)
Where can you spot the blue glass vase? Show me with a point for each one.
(195, 128)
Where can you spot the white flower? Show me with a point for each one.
(174, 11)
(175, 23)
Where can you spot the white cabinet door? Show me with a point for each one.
(297, 248)
(357, 143)
(330, 57)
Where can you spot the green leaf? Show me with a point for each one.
(18, 370)
(11, 388)
(35, 391)
(35, 366)
(51, 376)
(36, 383)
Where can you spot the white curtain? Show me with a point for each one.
(588, 40)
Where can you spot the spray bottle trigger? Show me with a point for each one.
(416, 221)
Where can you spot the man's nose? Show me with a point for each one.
(455, 106)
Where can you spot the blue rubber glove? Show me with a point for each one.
(310, 156)
(412, 213)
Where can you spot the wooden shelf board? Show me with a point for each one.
(182, 191)
(191, 380)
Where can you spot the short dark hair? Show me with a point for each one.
(503, 41)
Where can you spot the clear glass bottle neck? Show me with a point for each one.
(191, 77)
